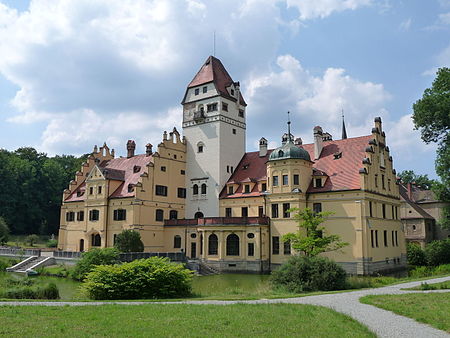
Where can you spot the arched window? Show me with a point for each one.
(198, 214)
(159, 215)
(280, 153)
(200, 147)
(177, 241)
(213, 244)
(203, 189)
(233, 245)
(81, 245)
(96, 240)
(195, 189)
(173, 214)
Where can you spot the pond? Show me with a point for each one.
(203, 286)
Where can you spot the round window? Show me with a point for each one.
(251, 235)
(193, 235)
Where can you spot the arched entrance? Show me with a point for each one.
(198, 214)
(96, 240)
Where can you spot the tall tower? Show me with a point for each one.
(214, 127)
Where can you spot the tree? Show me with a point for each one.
(4, 232)
(431, 115)
(32, 239)
(129, 241)
(92, 258)
(409, 176)
(315, 240)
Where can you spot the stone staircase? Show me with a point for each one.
(201, 268)
(31, 263)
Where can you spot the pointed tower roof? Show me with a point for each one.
(214, 71)
(344, 132)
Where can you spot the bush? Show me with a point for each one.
(92, 258)
(4, 231)
(427, 271)
(6, 263)
(415, 255)
(129, 241)
(150, 278)
(52, 243)
(302, 273)
(48, 291)
(438, 252)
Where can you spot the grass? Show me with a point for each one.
(20, 241)
(239, 320)
(433, 286)
(428, 308)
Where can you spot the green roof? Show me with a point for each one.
(289, 151)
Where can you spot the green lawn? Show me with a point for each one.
(20, 241)
(428, 308)
(267, 320)
(432, 286)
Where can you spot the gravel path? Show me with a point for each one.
(383, 323)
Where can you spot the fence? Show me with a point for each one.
(20, 252)
(66, 254)
(173, 256)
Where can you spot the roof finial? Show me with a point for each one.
(289, 127)
(344, 132)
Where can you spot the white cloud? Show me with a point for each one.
(312, 9)
(444, 18)
(405, 25)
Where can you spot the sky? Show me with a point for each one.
(75, 73)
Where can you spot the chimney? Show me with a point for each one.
(131, 147)
(262, 147)
(318, 145)
(148, 149)
(409, 188)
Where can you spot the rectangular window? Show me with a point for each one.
(264, 187)
(183, 172)
(317, 207)
(285, 180)
(396, 238)
(274, 210)
(120, 215)
(205, 89)
(163, 168)
(260, 211)
(234, 131)
(370, 209)
(376, 238)
(197, 91)
(392, 212)
(286, 207)
(396, 212)
(383, 208)
(181, 192)
(228, 212)
(211, 107)
(385, 238)
(382, 182)
(241, 113)
(318, 183)
(247, 188)
(296, 179)
(389, 184)
(392, 238)
(372, 242)
(275, 245)
(224, 106)
(376, 181)
(275, 181)
(70, 216)
(230, 190)
(244, 212)
(251, 249)
(287, 248)
(94, 215)
(99, 189)
(161, 190)
(80, 216)
(91, 190)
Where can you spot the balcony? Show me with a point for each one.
(218, 221)
(199, 116)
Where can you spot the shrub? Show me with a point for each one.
(52, 243)
(32, 239)
(302, 273)
(6, 263)
(415, 255)
(154, 277)
(92, 258)
(4, 231)
(48, 291)
(129, 241)
(438, 252)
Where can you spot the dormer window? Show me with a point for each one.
(136, 169)
(241, 113)
(130, 187)
(247, 188)
(318, 182)
(197, 91)
(280, 153)
(80, 193)
(230, 190)
(232, 92)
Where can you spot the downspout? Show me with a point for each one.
(107, 216)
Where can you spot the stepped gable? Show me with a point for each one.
(119, 169)
(342, 172)
(214, 71)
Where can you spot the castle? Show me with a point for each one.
(203, 194)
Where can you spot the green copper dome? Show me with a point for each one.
(289, 151)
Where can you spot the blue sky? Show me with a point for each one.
(74, 73)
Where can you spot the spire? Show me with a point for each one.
(289, 128)
(344, 132)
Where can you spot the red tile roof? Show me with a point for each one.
(119, 169)
(343, 173)
(214, 71)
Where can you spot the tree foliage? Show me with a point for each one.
(432, 117)
(129, 241)
(415, 255)
(409, 176)
(31, 189)
(311, 238)
(92, 258)
(4, 231)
